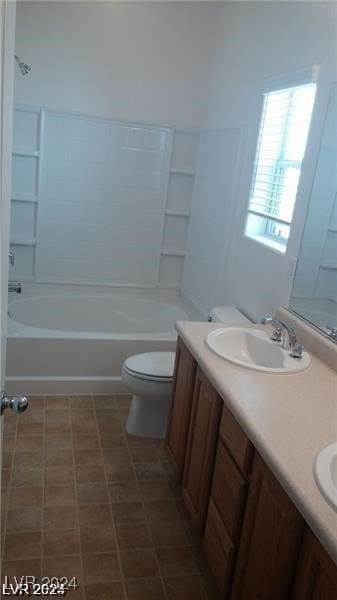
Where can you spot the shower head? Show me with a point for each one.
(24, 69)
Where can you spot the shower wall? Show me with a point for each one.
(99, 201)
(76, 215)
(142, 61)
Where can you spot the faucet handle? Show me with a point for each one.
(297, 350)
(277, 335)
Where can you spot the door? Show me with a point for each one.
(316, 575)
(201, 448)
(270, 540)
(184, 377)
(7, 38)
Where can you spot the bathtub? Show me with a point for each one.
(74, 340)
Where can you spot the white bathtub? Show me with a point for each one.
(67, 339)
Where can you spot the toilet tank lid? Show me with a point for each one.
(157, 364)
(229, 315)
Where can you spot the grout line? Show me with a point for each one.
(81, 583)
(4, 533)
(110, 504)
(43, 480)
(147, 520)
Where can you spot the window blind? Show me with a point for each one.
(281, 146)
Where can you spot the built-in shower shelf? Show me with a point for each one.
(175, 212)
(333, 228)
(329, 264)
(175, 171)
(26, 152)
(23, 198)
(23, 242)
(172, 252)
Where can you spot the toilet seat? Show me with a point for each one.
(154, 366)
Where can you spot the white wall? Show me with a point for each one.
(254, 42)
(214, 194)
(134, 61)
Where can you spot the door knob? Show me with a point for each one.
(16, 403)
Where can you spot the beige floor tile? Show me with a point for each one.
(125, 491)
(105, 591)
(21, 545)
(139, 563)
(61, 542)
(60, 495)
(92, 492)
(176, 561)
(146, 589)
(101, 568)
(98, 539)
(95, 515)
(24, 519)
(28, 497)
(131, 537)
(63, 517)
(89, 474)
(183, 588)
(124, 513)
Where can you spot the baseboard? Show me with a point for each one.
(64, 385)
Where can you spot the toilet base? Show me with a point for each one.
(148, 417)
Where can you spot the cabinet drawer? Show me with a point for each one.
(219, 550)
(236, 441)
(229, 491)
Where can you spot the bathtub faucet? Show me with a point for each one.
(15, 287)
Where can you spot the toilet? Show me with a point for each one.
(149, 377)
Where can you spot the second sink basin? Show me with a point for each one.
(253, 349)
(326, 473)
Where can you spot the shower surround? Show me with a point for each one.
(98, 201)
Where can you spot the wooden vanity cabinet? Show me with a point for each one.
(270, 540)
(316, 575)
(201, 448)
(256, 543)
(183, 385)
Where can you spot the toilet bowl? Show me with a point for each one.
(149, 377)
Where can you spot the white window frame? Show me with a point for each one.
(297, 78)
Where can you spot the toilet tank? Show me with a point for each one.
(228, 315)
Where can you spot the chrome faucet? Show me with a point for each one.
(285, 334)
(15, 287)
(11, 257)
(331, 332)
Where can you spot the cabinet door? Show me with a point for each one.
(184, 376)
(219, 550)
(270, 540)
(316, 577)
(201, 447)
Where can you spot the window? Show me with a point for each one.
(281, 146)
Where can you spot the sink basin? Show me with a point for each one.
(326, 474)
(253, 349)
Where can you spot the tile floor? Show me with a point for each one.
(83, 499)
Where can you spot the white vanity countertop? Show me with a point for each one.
(288, 417)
